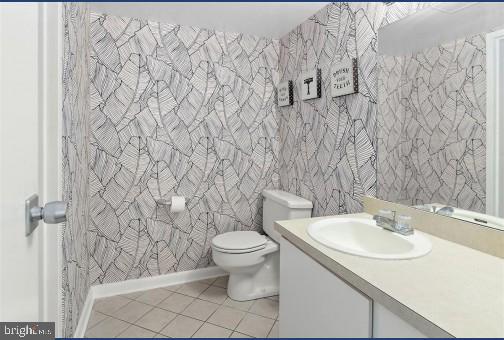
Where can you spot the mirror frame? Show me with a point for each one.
(494, 124)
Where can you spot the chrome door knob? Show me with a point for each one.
(52, 213)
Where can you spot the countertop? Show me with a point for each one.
(452, 291)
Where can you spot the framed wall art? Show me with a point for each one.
(285, 93)
(344, 78)
(311, 84)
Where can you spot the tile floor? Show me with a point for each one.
(198, 309)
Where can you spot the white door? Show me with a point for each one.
(29, 158)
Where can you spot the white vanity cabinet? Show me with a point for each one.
(388, 325)
(316, 303)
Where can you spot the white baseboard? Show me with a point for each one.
(130, 286)
(85, 314)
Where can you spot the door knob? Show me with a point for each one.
(52, 213)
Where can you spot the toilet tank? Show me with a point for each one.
(280, 205)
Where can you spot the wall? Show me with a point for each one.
(75, 111)
(329, 145)
(431, 140)
(175, 110)
(187, 111)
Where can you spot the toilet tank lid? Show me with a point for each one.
(287, 199)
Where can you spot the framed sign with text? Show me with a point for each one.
(344, 78)
(311, 84)
(285, 93)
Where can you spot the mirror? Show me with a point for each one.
(437, 129)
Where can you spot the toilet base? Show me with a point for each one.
(251, 285)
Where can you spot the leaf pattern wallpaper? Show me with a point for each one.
(75, 112)
(175, 110)
(431, 143)
(154, 109)
(329, 145)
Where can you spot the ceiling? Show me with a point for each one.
(264, 19)
(440, 23)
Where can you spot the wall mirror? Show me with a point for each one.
(440, 111)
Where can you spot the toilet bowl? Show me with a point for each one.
(253, 270)
(252, 259)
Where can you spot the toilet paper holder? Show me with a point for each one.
(164, 201)
(175, 207)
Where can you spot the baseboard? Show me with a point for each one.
(85, 314)
(130, 286)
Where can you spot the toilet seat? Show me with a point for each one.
(238, 242)
(239, 251)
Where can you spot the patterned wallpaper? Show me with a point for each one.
(329, 145)
(75, 111)
(431, 142)
(176, 110)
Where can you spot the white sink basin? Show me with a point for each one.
(361, 236)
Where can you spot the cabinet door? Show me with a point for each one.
(316, 303)
(388, 325)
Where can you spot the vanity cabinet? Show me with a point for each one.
(388, 325)
(316, 303)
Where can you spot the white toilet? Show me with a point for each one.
(251, 259)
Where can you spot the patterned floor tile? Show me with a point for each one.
(108, 328)
(176, 302)
(132, 311)
(200, 309)
(110, 304)
(182, 327)
(211, 331)
(180, 315)
(255, 325)
(226, 317)
(156, 319)
(214, 294)
(193, 289)
(265, 307)
(154, 296)
(136, 332)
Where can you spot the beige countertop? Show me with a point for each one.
(452, 291)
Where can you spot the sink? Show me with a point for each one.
(362, 237)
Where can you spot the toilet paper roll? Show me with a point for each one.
(177, 204)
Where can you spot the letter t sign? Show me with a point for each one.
(310, 83)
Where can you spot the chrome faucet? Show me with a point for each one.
(446, 211)
(392, 224)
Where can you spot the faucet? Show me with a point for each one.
(446, 211)
(391, 224)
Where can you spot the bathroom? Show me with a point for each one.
(252, 169)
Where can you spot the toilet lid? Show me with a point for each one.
(239, 240)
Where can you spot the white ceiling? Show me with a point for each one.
(443, 22)
(264, 19)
